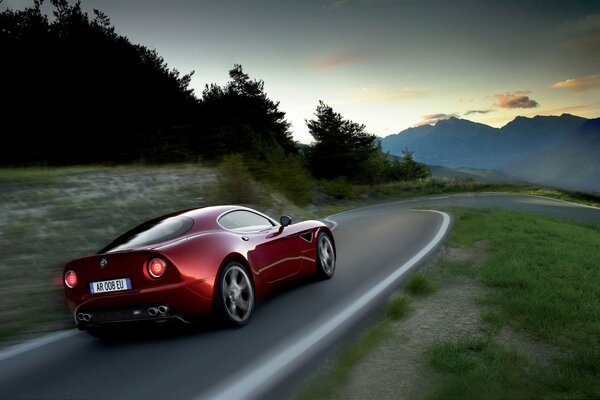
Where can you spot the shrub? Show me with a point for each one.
(397, 307)
(340, 188)
(236, 185)
(419, 284)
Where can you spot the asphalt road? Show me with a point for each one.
(287, 331)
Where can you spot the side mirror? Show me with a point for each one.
(285, 220)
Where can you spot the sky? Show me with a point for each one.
(387, 64)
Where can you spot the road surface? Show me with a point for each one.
(377, 246)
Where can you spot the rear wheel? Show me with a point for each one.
(325, 256)
(235, 294)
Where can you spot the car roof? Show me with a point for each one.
(206, 218)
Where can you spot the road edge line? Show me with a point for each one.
(252, 380)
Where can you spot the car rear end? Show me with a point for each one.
(111, 288)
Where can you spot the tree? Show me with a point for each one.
(240, 118)
(412, 169)
(406, 168)
(77, 92)
(341, 148)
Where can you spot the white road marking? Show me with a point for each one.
(332, 222)
(34, 344)
(255, 379)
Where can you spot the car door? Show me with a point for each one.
(273, 252)
(276, 254)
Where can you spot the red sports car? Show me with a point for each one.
(186, 264)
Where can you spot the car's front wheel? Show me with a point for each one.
(235, 294)
(325, 256)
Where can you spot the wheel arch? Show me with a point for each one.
(242, 260)
(327, 231)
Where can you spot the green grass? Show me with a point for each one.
(41, 174)
(327, 384)
(53, 215)
(544, 280)
(397, 307)
(419, 284)
(480, 368)
(544, 271)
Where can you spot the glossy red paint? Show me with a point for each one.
(274, 256)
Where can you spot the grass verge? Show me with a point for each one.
(398, 306)
(543, 281)
(480, 368)
(326, 385)
(539, 320)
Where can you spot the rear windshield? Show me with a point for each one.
(151, 232)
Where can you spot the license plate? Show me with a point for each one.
(113, 285)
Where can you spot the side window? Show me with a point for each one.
(244, 221)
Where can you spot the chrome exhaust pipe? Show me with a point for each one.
(84, 317)
(152, 311)
(163, 310)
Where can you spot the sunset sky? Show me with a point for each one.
(384, 63)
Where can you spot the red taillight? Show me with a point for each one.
(156, 267)
(71, 279)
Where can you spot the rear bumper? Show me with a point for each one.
(114, 316)
(184, 302)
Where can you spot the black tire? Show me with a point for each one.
(325, 256)
(235, 294)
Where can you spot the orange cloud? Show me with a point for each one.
(579, 85)
(339, 61)
(516, 99)
(433, 119)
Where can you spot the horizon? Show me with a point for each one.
(387, 64)
(491, 126)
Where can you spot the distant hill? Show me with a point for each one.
(571, 163)
(561, 151)
(451, 143)
(461, 143)
(479, 175)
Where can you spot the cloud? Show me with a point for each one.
(433, 119)
(340, 60)
(517, 99)
(477, 112)
(580, 85)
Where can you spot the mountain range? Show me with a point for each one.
(561, 151)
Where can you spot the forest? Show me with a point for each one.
(77, 92)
